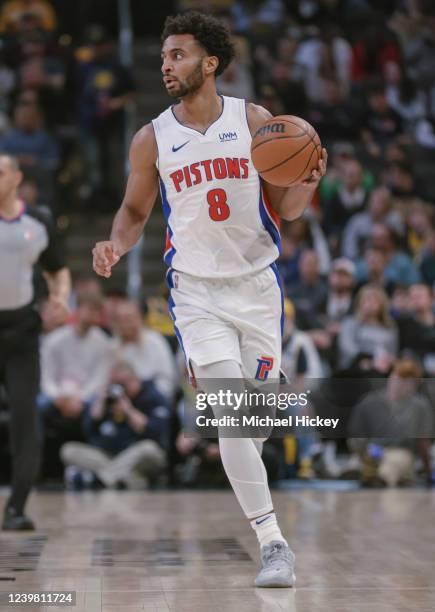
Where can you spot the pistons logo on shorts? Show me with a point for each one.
(265, 364)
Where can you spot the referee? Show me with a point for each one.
(27, 238)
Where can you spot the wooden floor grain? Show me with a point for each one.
(359, 551)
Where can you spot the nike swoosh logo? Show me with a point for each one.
(262, 520)
(175, 149)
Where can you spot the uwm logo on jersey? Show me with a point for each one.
(210, 170)
(227, 136)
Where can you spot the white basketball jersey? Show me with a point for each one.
(219, 222)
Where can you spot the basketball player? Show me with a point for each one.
(222, 242)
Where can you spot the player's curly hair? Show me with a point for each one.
(207, 30)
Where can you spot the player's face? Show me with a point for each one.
(182, 65)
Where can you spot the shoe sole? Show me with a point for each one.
(277, 585)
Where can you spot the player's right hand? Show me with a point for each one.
(105, 257)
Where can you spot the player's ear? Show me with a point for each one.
(211, 63)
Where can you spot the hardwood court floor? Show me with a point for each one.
(359, 551)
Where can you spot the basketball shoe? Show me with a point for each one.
(277, 566)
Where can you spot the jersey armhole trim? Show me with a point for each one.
(245, 103)
(157, 143)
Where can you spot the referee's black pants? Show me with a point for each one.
(20, 374)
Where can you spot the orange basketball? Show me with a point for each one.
(285, 150)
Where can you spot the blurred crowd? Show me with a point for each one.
(62, 108)
(358, 268)
(116, 396)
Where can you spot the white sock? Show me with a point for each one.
(267, 529)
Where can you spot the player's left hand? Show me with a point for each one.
(318, 172)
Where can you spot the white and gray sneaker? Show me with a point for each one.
(278, 563)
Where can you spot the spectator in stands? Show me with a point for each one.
(370, 331)
(300, 359)
(333, 116)
(396, 151)
(29, 141)
(297, 236)
(312, 15)
(338, 305)
(309, 293)
(7, 85)
(401, 181)
(105, 88)
(27, 97)
(380, 124)
(427, 266)
(391, 427)
(264, 14)
(237, 79)
(425, 132)
(126, 432)
(351, 198)
(341, 153)
(359, 228)
(288, 87)
(372, 51)
(76, 361)
(399, 303)
(43, 73)
(144, 349)
(375, 261)
(417, 327)
(113, 297)
(85, 285)
(13, 12)
(269, 99)
(29, 192)
(340, 290)
(35, 148)
(420, 54)
(199, 463)
(325, 56)
(403, 96)
(399, 267)
(419, 224)
(50, 320)
(302, 365)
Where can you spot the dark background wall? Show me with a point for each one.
(147, 17)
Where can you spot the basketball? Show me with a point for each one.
(285, 150)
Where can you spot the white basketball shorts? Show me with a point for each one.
(236, 319)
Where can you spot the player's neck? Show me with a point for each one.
(200, 109)
(10, 207)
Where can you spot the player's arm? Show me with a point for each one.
(288, 202)
(136, 207)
